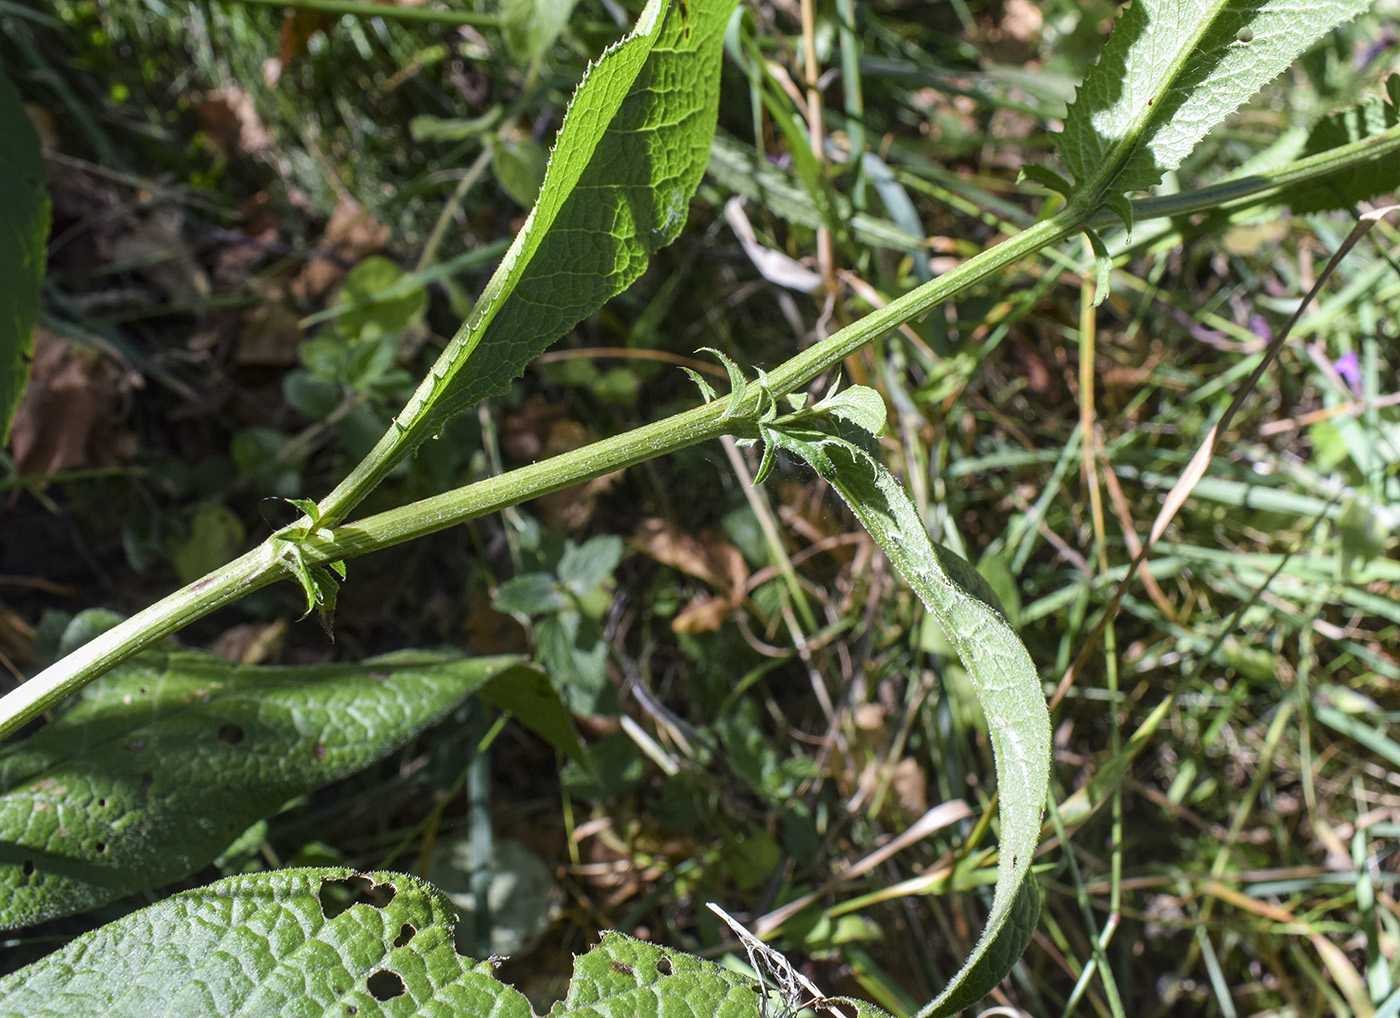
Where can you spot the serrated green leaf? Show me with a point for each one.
(162, 762)
(282, 943)
(24, 230)
(1171, 71)
(707, 391)
(857, 404)
(1002, 673)
(627, 159)
(1368, 120)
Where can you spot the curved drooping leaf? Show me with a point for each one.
(289, 943)
(1174, 69)
(1001, 670)
(24, 229)
(160, 764)
(1368, 120)
(628, 157)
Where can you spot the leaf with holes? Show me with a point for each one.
(157, 766)
(1172, 71)
(293, 942)
(331, 941)
(1002, 673)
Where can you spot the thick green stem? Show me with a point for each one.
(266, 563)
(245, 574)
(1252, 188)
(798, 371)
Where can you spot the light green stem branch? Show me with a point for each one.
(1253, 188)
(265, 564)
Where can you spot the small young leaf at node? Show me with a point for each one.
(1045, 177)
(765, 464)
(859, 405)
(707, 391)
(737, 386)
(1121, 207)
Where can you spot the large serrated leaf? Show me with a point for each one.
(1174, 69)
(1002, 674)
(166, 759)
(270, 944)
(24, 228)
(627, 159)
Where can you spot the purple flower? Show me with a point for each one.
(1349, 369)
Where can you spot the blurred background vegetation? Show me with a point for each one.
(267, 219)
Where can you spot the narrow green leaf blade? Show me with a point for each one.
(1174, 69)
(270, 944)
(166, 759)
(24, 229)
(1002, 673)
(627, 159)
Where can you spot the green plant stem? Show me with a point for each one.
(265, 564)
(249, 572)
(801, 370)
(365, 9)
(1255, 187)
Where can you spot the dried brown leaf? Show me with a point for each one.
(71, 413)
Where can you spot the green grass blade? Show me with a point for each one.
(628, 157)
(1171, 72)
(1002, 673)
(24, 228)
